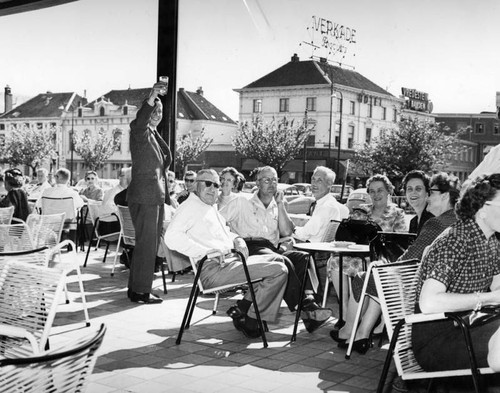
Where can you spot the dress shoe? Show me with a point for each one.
(362, 346)
(339, 324)
(311, 324)
(235, 312)
(241, 325)
(334, 334)
(144, 298)
(320, 314)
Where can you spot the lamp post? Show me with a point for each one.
(340, 137)
(304, 163)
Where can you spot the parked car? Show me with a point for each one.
(304, 188)
(291, 192)
(249, 187)
(336, 189)
(300, 205)
(358, 197)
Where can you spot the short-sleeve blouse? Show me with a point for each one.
(462, 259)
(392, 219)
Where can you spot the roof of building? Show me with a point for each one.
(194, 106)
(44, 105)
(312, 72)
(130, 96)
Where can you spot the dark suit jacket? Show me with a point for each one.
(150, 160)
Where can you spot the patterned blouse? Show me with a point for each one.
(96, 193)
(462, 259)
(392, 219)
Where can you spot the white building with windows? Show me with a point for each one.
(347, 108)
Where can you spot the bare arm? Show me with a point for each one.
(285, 223)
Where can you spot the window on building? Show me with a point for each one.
(311, 140)
(395, 115)
(53, 125)
(352, 108)
(350, 137)
(125, 110)
(2, 127)
(370, 110)
(39, 126)
(80, 112)
(368, 137)
(102, 111)
(479, 127)
(2, 139)
(339, 104)
(384, 113)
(337, 135)
(496, 130)
(469, 154)
(117, 139)
(311, 104)
(257, 106)
(284, 104)
(13, 126)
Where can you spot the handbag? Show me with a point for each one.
(484, 315)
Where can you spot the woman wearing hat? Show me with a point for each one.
(16, 196)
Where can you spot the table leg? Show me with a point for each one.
(341, 289)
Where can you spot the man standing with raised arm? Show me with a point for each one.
(146, 193)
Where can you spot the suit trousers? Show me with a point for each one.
(268, 292)
(148, 224)
(296, 263)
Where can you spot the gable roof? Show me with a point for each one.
(312, 72)
(133, 97)
(44, 105)
(194, 106)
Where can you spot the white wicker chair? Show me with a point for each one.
(127, 230)
(28, 300)
(16, 237)
(46, 229)
(396, 286)
(6, 214)
(66, 370)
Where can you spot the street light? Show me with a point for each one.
(71, 133)
(334, 94)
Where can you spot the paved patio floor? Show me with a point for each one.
(139, 353)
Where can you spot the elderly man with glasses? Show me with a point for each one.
(262, 220)
(198, 229)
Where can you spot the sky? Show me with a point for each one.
(445, 48)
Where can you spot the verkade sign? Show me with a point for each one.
(335, 37)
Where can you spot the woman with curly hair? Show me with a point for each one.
(16, 196)
(230, 180)
(461, 271)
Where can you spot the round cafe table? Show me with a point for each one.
(341, 250)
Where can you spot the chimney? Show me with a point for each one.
(295, 58)
(199, 91)
(8, 99)
(323, 60)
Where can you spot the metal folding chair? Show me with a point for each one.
(198, 288)
(66, 370)
(6, 214)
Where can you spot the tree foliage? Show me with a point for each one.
(414, 144)
(274, 143)
(28, 146)
(95, 151)
(189, 148)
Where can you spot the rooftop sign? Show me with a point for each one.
(416, 100)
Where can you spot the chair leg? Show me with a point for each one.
(173, 276)
(105, 252)
(82, 292)
(116, 254)
(216, 304)
(358, 313)
(90, 243)
(388, 357)
(164, 279)
(325, 292)
(299, 306)
(189, 308)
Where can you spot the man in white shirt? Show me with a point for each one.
(327, 208)
(61, 190)
(108, 201)
(262, 220)
(198, 229)
(35, 190)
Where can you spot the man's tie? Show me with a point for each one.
(312, 207)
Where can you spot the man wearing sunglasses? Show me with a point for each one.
(198, 229)
(189, 181)
(262, 220)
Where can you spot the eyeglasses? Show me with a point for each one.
(493, 203)
(435, 189)
(268, 180)
(209, 183)
(189, 180)
(90, 178)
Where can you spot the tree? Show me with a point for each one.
(94, 151)
(415, 144)
(189, 148)
(274, 143)
(29, 146)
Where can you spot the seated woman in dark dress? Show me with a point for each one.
(461, 271)
(16, 196)
(417, 188)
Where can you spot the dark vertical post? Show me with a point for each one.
(168, 15)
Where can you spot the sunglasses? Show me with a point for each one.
(209, 183)
(189, 180)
